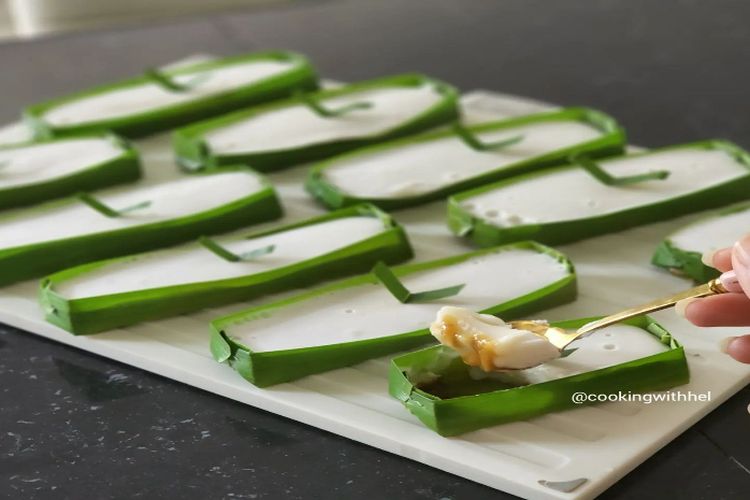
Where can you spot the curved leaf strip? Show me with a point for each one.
(169, 83)
(605, 177)
(326, 112)
(476, 144)
(108, 211)
(230, 256)
(385, 275)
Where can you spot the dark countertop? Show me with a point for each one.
(73, 425)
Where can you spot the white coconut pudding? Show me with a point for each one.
(15, 133)
(572, 193)
(369, 311)
(35, 163)
(713, 233)
(146, 97)
(297, 125)
(427, 166)
(160, 202)
(194, 263)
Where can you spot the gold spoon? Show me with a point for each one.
(560, 338)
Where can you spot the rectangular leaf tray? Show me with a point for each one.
(359, 300)
(470, 403)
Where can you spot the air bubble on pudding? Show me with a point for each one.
(491, 213)
(609, 347)
(349, 311)
(513, 219)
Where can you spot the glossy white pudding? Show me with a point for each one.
(713, 233)
(15, 133)
(572, 193)
(146, 97)
(298, 126)
(369, 311)
(34, 163)
(423, 167)
(168, 200)
(193, 263)
(489, 342)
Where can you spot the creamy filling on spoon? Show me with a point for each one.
(490, 343)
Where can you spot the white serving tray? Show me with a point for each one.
(588, 448)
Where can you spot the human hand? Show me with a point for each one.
(728, 309)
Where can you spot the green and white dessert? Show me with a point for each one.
(163, 99)
(35, 172)
(682, 251)
(241, 266)
(104, 224)
(314, 126)
(358, 319)
(417, 170)
(593, 197)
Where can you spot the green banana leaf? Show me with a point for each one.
(610, 142)
(125, 167)
(104, 311)
(484, 232)
(24, 261)
(282, 365)
(194, 153)
(685, 260)
(298, 76)
(439, 389)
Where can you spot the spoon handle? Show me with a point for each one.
(713, 287)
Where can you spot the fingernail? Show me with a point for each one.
(730, 282)
(742, 251)
(681, 306)
(724, 344)
(708, 257)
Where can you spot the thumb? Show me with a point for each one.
(741, 262)
(737, 347)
